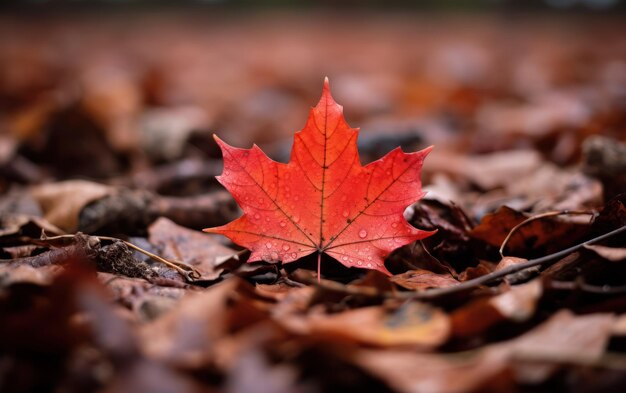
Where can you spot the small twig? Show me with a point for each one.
(188, 272)
(319, 267)
(464, 286)
(538, 217)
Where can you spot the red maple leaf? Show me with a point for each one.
(323, 200)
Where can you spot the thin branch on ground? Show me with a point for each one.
(188, 272)
(461, 287)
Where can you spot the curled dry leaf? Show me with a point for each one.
(323, 200)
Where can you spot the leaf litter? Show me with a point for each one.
(487, 303)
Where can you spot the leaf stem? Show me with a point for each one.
(319, 267)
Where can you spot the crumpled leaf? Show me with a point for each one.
(323, 200)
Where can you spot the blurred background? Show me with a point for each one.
(110, 90)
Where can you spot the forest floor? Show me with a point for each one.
(108, 172)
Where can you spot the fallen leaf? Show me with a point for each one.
(323, 200)
(564, 337)
(487, 171)
(62, 202)
(12, 227)
(253, 373)
(186, 334)
(423, 279)
(410, 372)
(509, 261)
(538, 237)
(483, 268)
(414, 324)
(516, 304)
(146, 300)
(609, 253)
(496, 367)
(191, 247)
(10, 274)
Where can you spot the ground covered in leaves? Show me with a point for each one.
(108, 174)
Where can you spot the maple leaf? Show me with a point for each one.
(323, 200)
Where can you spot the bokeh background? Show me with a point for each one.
(104, 90)
(100, 89)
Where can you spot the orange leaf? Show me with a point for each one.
(323, 200)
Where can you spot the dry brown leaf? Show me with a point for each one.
(519, 303)
(421, 279)
(516, 304)
(11, 274)
(184, 334)
(202, 251)
(509, 261)
(488, 171)
(414, 324)
(612, 254)
(564, 337)
(536, 237)
(62, 202)
(409, 372)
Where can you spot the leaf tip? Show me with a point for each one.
(218, 140)
(326, 88)
(327, 98)
(428, 149)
